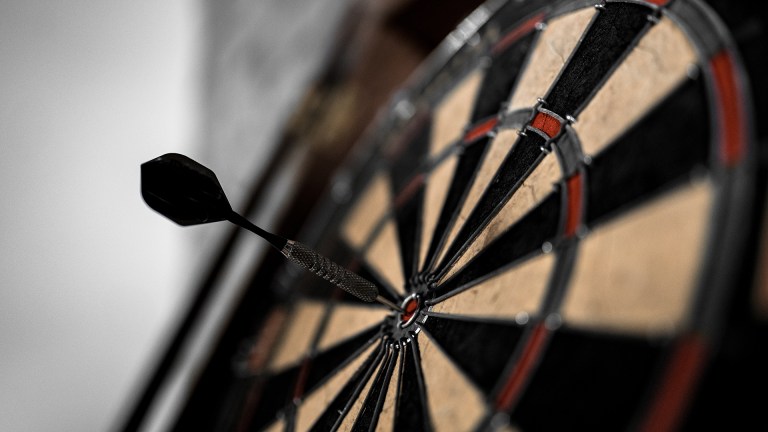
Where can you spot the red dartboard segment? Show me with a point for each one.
(522, 371)
(573, 216)
(249, 406)
(407, 193)
(678, 384)
(547, 124)
(729, 108)
(480, 130)
(410, 308)
(658, 2)
(514, 35)
(259, 353)
(298, 390)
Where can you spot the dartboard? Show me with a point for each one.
(558, 201)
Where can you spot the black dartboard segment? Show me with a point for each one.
(675, 140)
(552, 202)
(341, 404)
(502, 73)
(468, 162)
(481, 349)
(606, 373)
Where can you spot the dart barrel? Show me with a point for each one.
(330, 271)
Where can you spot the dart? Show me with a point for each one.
(188, 193)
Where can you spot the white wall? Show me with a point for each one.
(89, 276)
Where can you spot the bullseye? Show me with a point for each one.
(409, 306)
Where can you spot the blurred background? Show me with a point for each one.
(92, 282)
(89, 277)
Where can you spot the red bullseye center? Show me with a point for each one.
(409, 309)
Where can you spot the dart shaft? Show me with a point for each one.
(388, 303)
(330, 271)
(275, 240)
